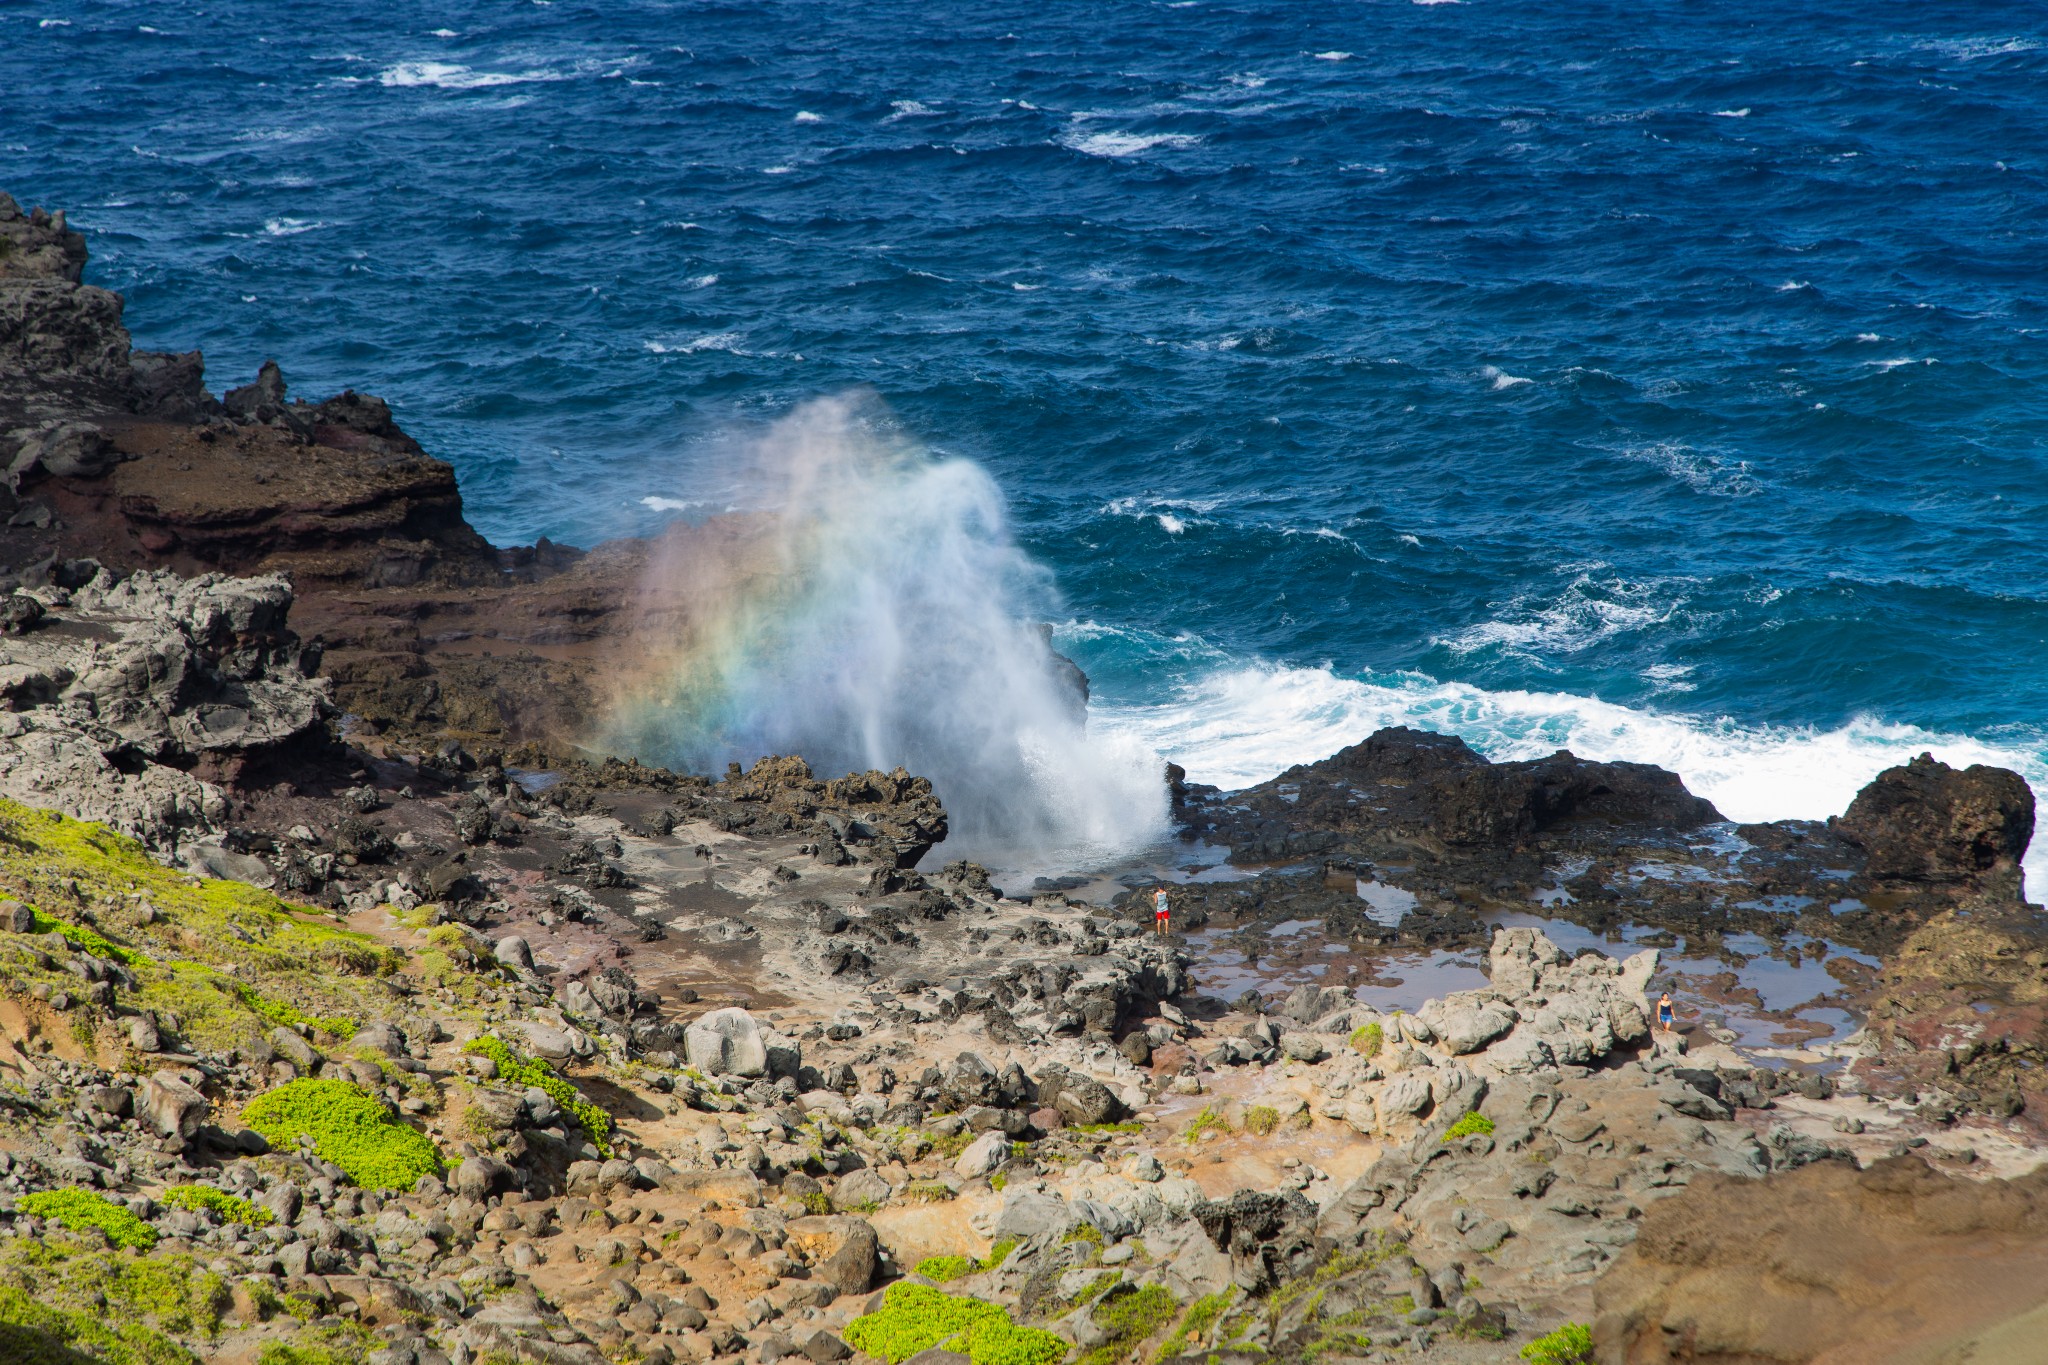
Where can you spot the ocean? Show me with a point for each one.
(1666, 381)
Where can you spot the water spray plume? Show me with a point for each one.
(876, 611)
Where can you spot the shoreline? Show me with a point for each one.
(703, 1063)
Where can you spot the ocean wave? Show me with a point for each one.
(1242, 724)
(1588, 612)
(1716, 475)
(455, 76)
(289, 227)
(1121, 144)
(1501, 379)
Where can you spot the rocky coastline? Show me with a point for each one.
(350, 1012)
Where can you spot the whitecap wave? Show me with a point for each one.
(290, 227)
(1501, 378)
(455, 76)
(1590, 611)
(806, 116)
(1241, 724)
(1115, 144)
(1332, 56)
(1732, 113)
(1724, 476)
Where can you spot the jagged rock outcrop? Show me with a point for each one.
(1925, 821)
(134, 700)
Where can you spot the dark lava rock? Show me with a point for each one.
(1926, 821)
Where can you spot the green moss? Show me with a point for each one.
(1130, 1318)
(1105, 1128)
(929, 1192)
(89, 940)
(227, 1207)
(278, 1012)
(334, 1343)
(1261, 1119)
(1210, 1119)
(517, 1070)
(348, 1127)
(1571, 1344)
(81, 1209)
(1083, 1232)
(946, 1269)
(1465, 1127)
(61, 1303)
(999, 1253)
(1368, 1039)
(916, 1317)
(1202, 1316)
(817, 1202)
(219, 956)
(949, 1145)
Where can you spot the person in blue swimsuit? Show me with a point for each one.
(1664, 1012)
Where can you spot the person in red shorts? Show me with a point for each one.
(1161, 912)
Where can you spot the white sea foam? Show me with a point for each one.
(1732, 113)
(701, 281)
(1702, 471)
(1243, 724)
(1501, 378)
(1793, 286)
(289, 227)
(455, 76)
(1588, 612)
(54, 23)
(720, 341)
(910, 109)
(444, 33)
(661, 504)
(806, 116)
(1121, 144)
(1897, 362)
(1868, 336)
(1333, 56)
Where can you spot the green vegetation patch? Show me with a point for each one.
(229, 1208)
(1571, 1344)
(81, 1209)
(348, 1127)
(278, 1012)
(1201, 1319)
(1093, 1128)
(1210, 1119)
(1261, 1119)
(916, 1317)
(1130, 1318)
(518, 1070)
(64, 1304)
(89, 940)
(1467, 1126)
(215, 956)
(946, 1269)
(333, 1343)
(999, 1253)
(1368, 1039)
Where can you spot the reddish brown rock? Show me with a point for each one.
(1834, 1266)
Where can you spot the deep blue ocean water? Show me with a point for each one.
(1666, 380)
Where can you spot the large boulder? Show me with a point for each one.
(1928, 822)
(173, 1106)
(1079, 1099)
(842, 1250)
(727, 1042)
